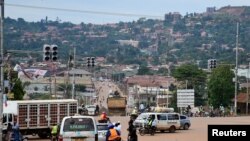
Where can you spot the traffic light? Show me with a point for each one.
(54, 52)
(46, 52)
(212, 63)
(50, 52)
(93, 61)
(88, 62)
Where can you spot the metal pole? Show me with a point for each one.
(236, 71)
(247, 89)
(167, 97)
(2, 62)
(157, 92)
(73, 85)
(54, 71)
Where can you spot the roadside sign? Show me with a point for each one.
(185, 97)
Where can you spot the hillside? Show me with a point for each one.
(178, 39)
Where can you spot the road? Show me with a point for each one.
(103, 90)
(197, 131)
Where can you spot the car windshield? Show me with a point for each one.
(78, 124)
(102, 127)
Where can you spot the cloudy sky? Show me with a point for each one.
(108, 11)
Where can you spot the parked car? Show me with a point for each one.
(102, 129)
(185, 122)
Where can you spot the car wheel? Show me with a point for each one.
(172, 129)
(162, 131)
(186, 126)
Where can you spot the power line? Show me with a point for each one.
(82, 11)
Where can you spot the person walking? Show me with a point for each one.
(97, 109)
(132, 136)
(16, 132)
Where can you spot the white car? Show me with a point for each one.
(78, 128)
(91, 110)
(165, 121)
(102, 129)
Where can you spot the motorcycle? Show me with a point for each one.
(54, 137)
(147, 130)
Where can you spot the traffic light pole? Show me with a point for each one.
(2, 62)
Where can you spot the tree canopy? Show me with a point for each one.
(221, 86)
(193, 78)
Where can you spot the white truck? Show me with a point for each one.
(37, 116)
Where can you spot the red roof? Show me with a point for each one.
(242, 98)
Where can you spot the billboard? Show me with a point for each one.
(185, 97)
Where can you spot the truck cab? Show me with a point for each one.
(7, 118)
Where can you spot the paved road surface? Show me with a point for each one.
(197, 131)
(103, 90)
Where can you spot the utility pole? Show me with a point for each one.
(2, 62)
(247, 97)
(236, 70)
(73, 70)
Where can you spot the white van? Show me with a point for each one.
(164, 121)
(78, 128)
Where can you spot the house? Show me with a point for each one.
(149, 90)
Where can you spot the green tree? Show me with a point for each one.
(144, 70)
(221, 86)
(18, 90)
(193, 78)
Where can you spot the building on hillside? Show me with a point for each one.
(211, 10)
(55, 83)
(129, 42)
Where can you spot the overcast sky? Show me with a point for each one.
(108, 11)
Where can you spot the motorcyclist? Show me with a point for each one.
(112, 134)
(54, 132)
(103, 117)
(151, 122)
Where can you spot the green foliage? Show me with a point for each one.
(221, 86)
(144, 70)
(18, 90)
(162, 71)
(192, 78)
